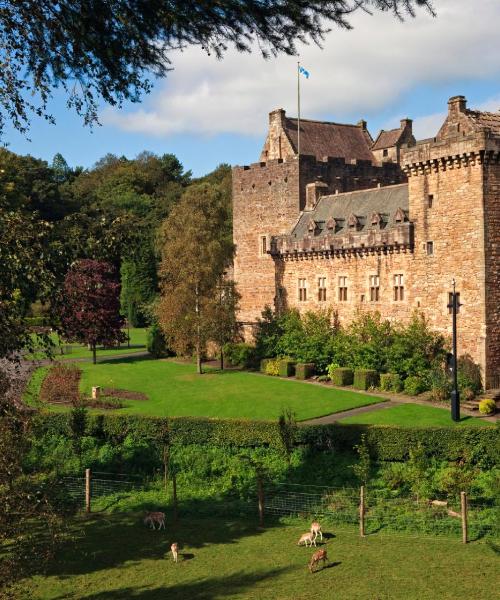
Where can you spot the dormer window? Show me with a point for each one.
(376, 219)
(312, 226)
(400, 216)
(353, 221)
(331, 224)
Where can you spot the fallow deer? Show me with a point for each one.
(155, 517)
(174, 548)
(316, 557)
(307, 537)
(316, 530)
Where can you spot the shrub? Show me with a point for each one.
(156, 343)
(304, 370)
(468, 394)
(390, 382)
(331, 368)
(469, 374)
(365, 379)
(414, 385)
(323, 378)
(342, 376)
(61, 385)
(487, 406)
(263, 364)
(286, 367)
(440, 384)
(107, 402)
(238, 355)
(273, 366)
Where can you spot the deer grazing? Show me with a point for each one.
(316, 530)
(307, 537)
(174, 549)
(155, 517)
(316, 557)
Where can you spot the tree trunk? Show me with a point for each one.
(198, 333)
(221, 360)
(199, 370)
(94, 354)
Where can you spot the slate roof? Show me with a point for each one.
(386, 139)
(485, 119)
(363, 204)
(321, 139)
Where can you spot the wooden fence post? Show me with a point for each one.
(260, 495)
(174, 495)
(88, 476)
(362, 511)
(463, 502)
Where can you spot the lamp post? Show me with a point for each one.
(454, 305)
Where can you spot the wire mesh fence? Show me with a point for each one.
(372, 510)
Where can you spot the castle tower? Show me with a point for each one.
(454, 203)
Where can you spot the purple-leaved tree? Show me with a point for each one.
(89, 305)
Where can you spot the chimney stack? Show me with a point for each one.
(457, 104)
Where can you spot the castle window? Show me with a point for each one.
(430, 200)
(302, 290)
(385, 152)
(430, 248)
(374, 288)
(263, 245)
(399, 290)
(450, 303)
(342, 288)
(322, 289)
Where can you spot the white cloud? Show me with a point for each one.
(360, 71)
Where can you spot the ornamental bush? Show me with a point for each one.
(304, 370)
(414, 385)
(391, 382)
(365, 379)
(286, 367)
(469, 374)
(487, 406)
(263, 364)
(238, 354)
(156, 344)
(342, 376)
(273, 366)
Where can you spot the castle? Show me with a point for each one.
(383, 225)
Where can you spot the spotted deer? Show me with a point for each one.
(316, 557)
(316, 530)
(307, 537)
(155, 517)
(174, 549)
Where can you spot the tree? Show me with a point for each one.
(194, 256)
(138, 286)
(89, 305)
(221, 315)
(105, 49)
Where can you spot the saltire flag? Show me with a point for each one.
(304, 72)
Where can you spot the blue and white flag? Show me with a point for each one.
(304, 72)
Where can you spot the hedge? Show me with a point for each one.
(342, 376)
(263, 364)
(390, 382)
(287, 367)
(304, 370)
(365, 379)
(386, 443)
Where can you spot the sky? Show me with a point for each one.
(210, 111)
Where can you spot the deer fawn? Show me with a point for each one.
(155, 517)
(316, 530)
(307, 537)
(316, 557)
(174, 548)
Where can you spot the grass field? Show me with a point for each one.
(175, 389)
(115, 557)
(138, 338)
(412, 415)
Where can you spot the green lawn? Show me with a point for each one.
(71, 351)
(412, 415)
(115, 557)
(176, 390)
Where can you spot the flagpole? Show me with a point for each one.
(298, 108)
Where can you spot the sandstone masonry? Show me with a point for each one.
(355, 224)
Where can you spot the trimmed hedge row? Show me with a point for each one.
(386, 443)
(287, 367)
(364, 379)
(342, 376)
(304, 370)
